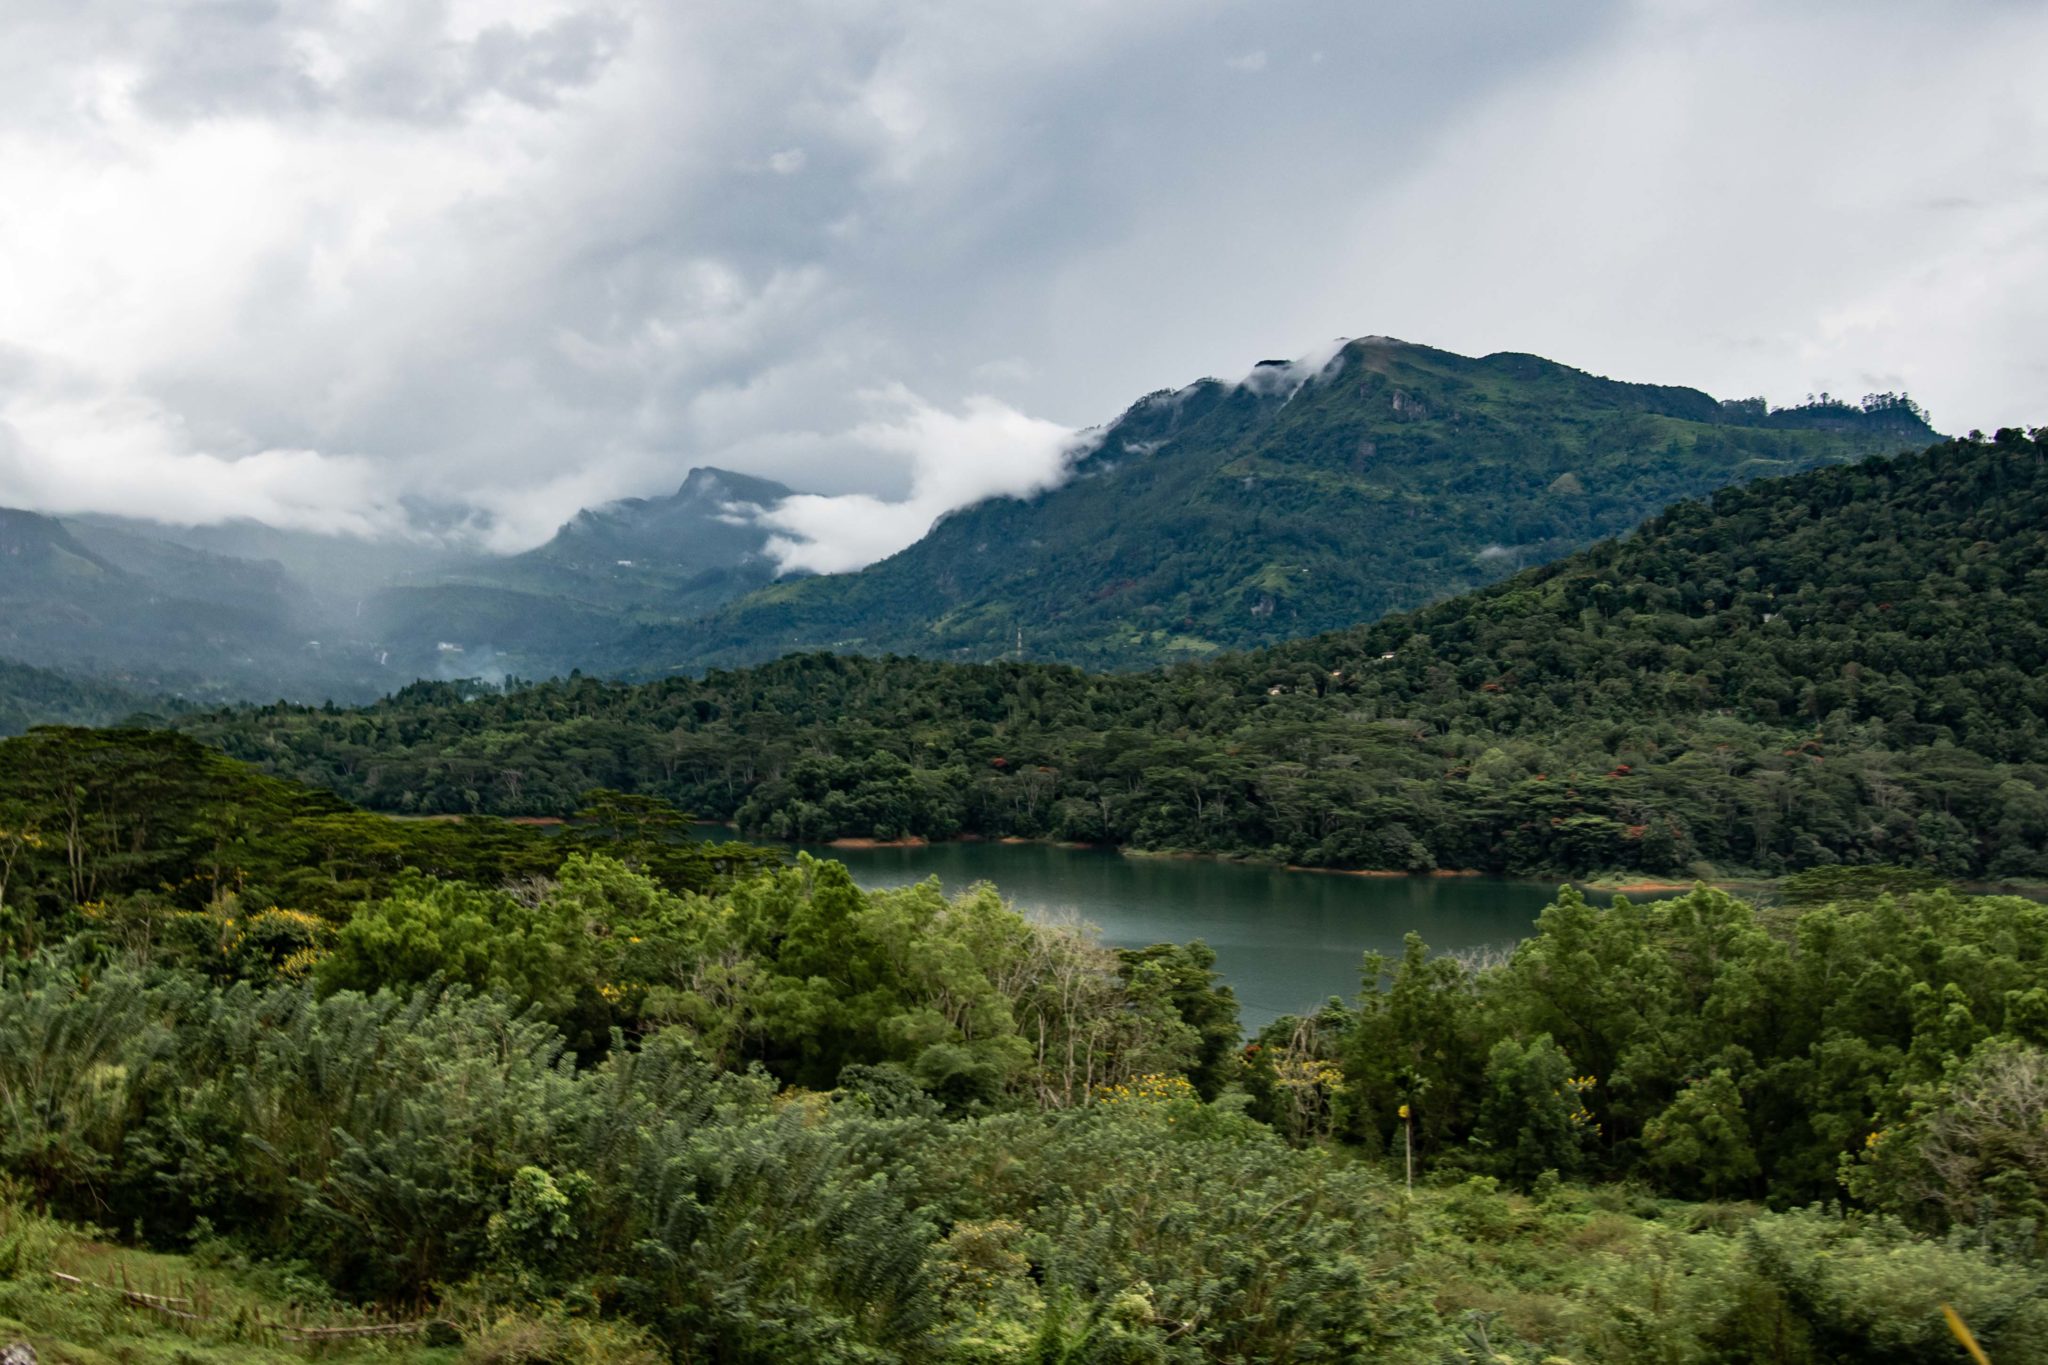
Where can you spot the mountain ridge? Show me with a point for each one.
(1304, 498)
(1372, 477)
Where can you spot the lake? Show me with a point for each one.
(1285, 941)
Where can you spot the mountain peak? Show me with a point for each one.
(707, 482)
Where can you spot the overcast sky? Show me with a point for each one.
(340, 263)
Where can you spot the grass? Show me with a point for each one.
(237, 1312)
(105, 1319)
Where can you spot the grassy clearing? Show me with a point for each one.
(220, 1311)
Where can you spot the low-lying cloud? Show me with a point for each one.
(126, 457)
(987, 449)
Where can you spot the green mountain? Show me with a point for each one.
(1306, 498)
(1849, 665)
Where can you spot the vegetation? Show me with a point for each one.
(554, 1097)
(1842, 667)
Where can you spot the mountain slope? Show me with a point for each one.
(38, 696)
(1303, 499)
(561, 606)
(675, 557)
(65, 605)
(1847, 665)
(247, 610)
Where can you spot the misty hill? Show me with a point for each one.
(1223, 516)
(154, 618)
(563, 605)
(1846, 665)
(678, 555)
(333, 572)
(246, 610)
(176, 570)
(40, 696)
(672, 557)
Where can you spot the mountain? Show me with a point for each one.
(1305, 498)
(678, 555)
(155, 619)
(563, 605)
(244, 610)
(1848, 665)
(173, 569)
(332, 573)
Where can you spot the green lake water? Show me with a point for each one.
(1285, 941)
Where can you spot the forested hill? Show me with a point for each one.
(37, 696)
(1306, 498)
(1845, 665)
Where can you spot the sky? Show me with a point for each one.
(400, 267)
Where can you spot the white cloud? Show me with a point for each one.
(1253, 61)
(988, 449)
(124, 456)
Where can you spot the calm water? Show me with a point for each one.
(1286, 941)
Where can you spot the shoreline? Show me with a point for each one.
(862, 843)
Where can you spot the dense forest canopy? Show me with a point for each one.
(592, 1096)
(1844, 666)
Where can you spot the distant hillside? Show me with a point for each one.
(157, 619)
(252, 611)
(679, 555)
(1223, 516)
(37, 696)
(1849, 665)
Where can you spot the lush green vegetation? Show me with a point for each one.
(1225, 516)
(589, 1096)
(1845, 666)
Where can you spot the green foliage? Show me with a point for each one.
(36, 696)
(153, 843)
(594, 1095)
(1838, 670)
(1700, 1144)
(1531, 1119)
(1687, 1043)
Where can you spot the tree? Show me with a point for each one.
(1700, 1144)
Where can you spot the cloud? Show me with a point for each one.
(126, 457)
(328, 260)
(987, 449)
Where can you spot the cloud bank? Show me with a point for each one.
(987, 450)
(327, 262)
